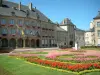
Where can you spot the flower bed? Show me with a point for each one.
(62, 65)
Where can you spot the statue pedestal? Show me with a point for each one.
(76, 46)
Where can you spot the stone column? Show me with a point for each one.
(8, 42)
(35, 43)
(23, 43)
(16, 43)
(30, 42)
(40, 43)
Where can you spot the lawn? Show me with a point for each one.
(40, 52)
(91, 49)
(20, 67)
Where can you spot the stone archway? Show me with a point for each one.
(32, 43)
(37, 43)
(20, 42)
(27, 43)
(71, 43)
(4, 42)
(12, 43)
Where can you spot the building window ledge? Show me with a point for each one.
(33, 26)
(2, 24)
(28, 26)
(4, 34)
(38, 27)
(20, 25)
(11, 25)
(13, 34)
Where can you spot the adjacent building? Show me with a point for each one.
(69, 27)
(92, 36)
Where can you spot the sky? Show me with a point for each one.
(81, 12)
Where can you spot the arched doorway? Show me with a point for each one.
(71, 43)
(32, 43)
(12, 43)
(4, 42)
(20, 42)
(38, 43)
(27, 43)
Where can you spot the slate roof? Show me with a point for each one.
(79, 29)
(90, 30)
(13, 8)
(98, 16)
(66, 21)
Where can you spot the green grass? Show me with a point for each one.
(4, 72)
(19, 67)
(92, 73)
(66, 56)
(34, 52)
(90, 49)
(41, 52)
(12, 66)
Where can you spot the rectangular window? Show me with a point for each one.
(43, 42)
(19, 32)
(3, 21)
(26, 23)
(98, 24)
(27, 31)
(12, 31)
(4, 31)
(20, 22)
(12, 21)
(98, 33)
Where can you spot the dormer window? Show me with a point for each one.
(3, 21)
(37, 15)
(27, 13)
(13, 13)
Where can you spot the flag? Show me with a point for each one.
(22, 32)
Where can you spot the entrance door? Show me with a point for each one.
(37, 43)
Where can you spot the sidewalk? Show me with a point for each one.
(35, 49)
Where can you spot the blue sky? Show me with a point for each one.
(81, 12)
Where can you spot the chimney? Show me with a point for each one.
(30, 6)
(1, 3)
(35, 7)
(19, 6)
(98, 12)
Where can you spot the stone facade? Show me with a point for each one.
(79, 37)
(23, 26)
(61, 37)
(94, 32)
(89, 38)
(69, 27)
